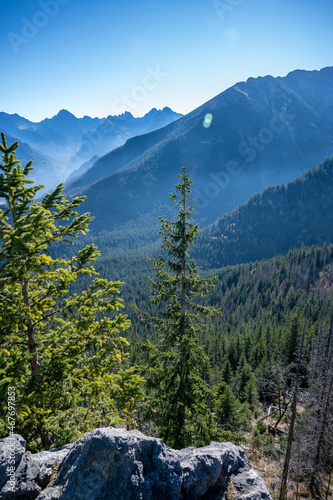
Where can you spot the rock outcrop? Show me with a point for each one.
(113, 464)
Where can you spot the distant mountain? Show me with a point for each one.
(71, 142)
(116, 130)
(258, 133)
(270, 223)
(71, 128)
(56, 138)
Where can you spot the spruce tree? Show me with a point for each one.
(226, 407)
(180, 396)
(227, 373)
(62, 354)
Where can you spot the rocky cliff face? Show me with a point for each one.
(113, 464)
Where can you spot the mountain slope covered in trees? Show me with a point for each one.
(271, 222)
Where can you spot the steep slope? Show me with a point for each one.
(134, 149)
(272, 222)
(257, 133)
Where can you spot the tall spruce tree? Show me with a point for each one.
(180, 396)
(62, 355)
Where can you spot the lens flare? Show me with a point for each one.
(207, 120)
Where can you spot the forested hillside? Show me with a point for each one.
(296, 214)
(259, 303)
(252, 297)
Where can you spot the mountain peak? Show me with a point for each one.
(63, 113)
(153, 111)
(165, 111)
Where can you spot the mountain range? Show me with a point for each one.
(262, 132)
(258, 133)
(64, 143)
(114, 131)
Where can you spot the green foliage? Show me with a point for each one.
(243, 377)
(64, 353)
(251, 393)
(180, 396)
(224, 436)
(260, 302)
(270, 449)
(227, 372)
(261, 426)
(290, 338)
(226, 407)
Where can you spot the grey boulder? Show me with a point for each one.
(114, 464)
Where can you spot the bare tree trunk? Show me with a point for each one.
(329, 484)
(283, 492)
(282, 414)
(284, 485)
(321, 436)
(298, 473)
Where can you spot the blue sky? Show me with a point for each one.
(100, 57)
